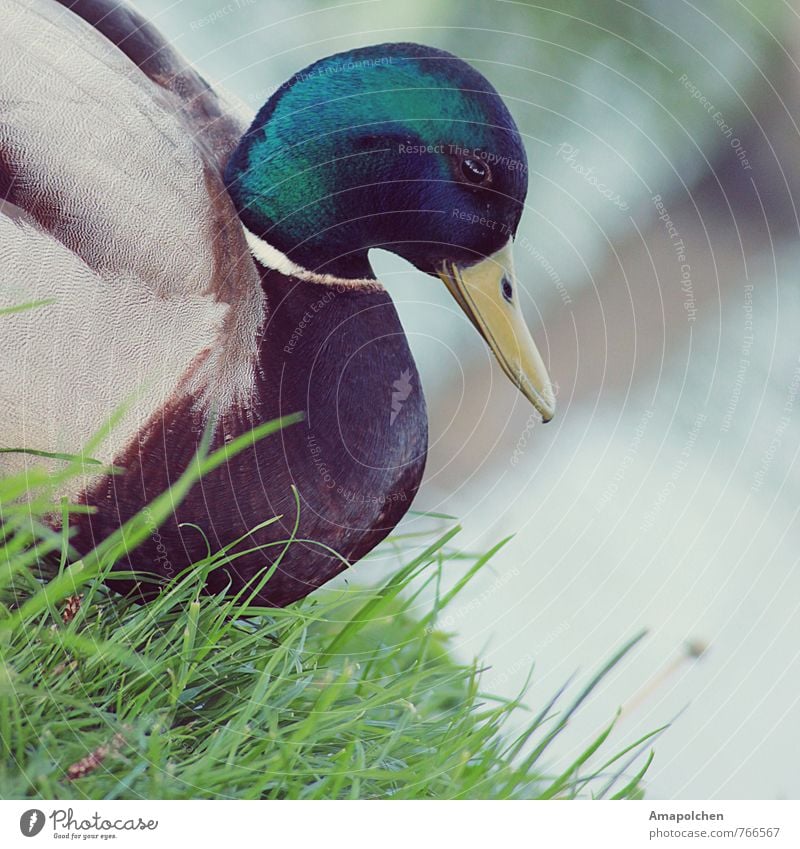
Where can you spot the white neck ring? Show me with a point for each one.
(273, 259)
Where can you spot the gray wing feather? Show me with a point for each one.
(113, 209)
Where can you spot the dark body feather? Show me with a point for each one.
(335, 356)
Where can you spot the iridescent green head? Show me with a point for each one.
(397, 146)
(381, 146)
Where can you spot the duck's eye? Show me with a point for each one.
(507, 289)
(475, 170)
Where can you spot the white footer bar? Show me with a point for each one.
(388, 824)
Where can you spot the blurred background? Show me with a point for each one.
(659, 253)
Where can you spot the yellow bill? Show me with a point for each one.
(487, 292)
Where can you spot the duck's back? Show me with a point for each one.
(113, 211)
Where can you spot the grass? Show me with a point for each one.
(348, 694)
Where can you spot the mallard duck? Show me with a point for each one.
(190, 263)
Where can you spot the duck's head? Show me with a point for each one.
(401, 147)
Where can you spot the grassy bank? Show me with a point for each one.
(348, 694)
